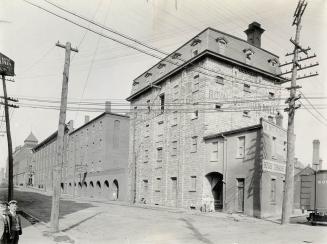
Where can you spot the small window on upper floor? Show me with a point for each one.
(240, 147)
(176, 55)
(271, 95)
(195, 41)
(148, 105)
(162, 102)
(218, 106)
(195, 114)
(220, 80)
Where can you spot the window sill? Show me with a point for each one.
(192, 191)
(239, 157)
(157, 191)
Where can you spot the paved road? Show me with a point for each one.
(100, 222)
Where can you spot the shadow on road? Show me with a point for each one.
(196, 232)
(39, 205)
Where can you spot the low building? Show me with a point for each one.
(45, 157)
(22, 159)
(98, 158)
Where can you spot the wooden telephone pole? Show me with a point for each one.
(9, 142)
(296, 66)
(57, 169)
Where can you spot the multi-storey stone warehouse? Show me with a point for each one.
(198, 134)
(95, 158)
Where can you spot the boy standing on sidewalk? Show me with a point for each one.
(4, 224)
(16, 226)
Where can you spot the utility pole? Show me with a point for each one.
(9, 142)
(296, 66)
(57, 169)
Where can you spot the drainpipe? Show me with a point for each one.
(224, 170)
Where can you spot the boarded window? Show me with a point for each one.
(240, 147)
(116, 134)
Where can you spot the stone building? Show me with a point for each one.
(22, 158)
(212, 84)
(98, 158)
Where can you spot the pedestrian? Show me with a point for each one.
(4, 223)
(16, 226)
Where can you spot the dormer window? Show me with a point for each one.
(176, 55)
(220, 80)
(195, 52)
(195, 41)
(161, 65)
(222, 40)
(273, 62)
(246, 113)
(135, 83)
(248, 54)
(147, 74)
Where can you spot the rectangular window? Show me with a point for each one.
(158, 184)
(174, 119)
(246, 88)
(145, 185)
(273, 148)
(174, 148)
(246, 113)
(195, 114)
(146, 156)
(194, 146)
(220, 80)
(214, 152)
(241, 147)
(193, 183)
(273, 190)
(162, 102)
(147, 130)
(148, 106)
(218, 106)
(271, 95)
(173, 185)
(159, 154)
(176, 92)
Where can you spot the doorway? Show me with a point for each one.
(216, 182)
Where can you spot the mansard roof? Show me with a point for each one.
(214, 43)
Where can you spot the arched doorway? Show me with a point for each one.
(98, 189)
(91, 189)
(105, 190)
(115, 190)
(84, 189)
(216, 184)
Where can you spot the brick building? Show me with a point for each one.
(44, 157)
(22, 158)
(98, 158)
(95, 159)
(214, 83)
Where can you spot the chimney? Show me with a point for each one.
(87, 119)
(71, 125)
(108, 107)
(315, 154)
(279, 119)
(254, 33)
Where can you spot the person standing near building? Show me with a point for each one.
(16, 226)
(4, 224)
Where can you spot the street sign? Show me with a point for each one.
(6, 66)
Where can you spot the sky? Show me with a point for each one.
(104, 69)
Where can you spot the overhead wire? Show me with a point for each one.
(145, 45)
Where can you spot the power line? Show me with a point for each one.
(152, 48)
(323, 117)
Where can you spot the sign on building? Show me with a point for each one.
(6, 66)
(273, 166)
